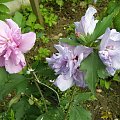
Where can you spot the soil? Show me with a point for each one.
(107, 105)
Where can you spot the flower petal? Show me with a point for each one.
(111, 70)
(63, 83)
(11, 65)
(59, 48)
(12, 25)
(27, 42)
(114, 35)
(79, 78)
(105, 39)
(4, 29)
(87, 23)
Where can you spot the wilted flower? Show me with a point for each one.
(13, 45)
(66, 64)
(110, 50)
(87, 23)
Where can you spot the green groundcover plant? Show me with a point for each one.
(91, 54)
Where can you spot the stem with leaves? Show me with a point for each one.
(35, 81)
(70, 103)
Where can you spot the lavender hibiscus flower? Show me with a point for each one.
(13, 45)
(110, 50)
(66, 64)
(87, 23)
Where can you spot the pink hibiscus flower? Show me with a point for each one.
(13, 45)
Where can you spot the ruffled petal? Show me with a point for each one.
(105, 39)
(13, 67)
(4, 29)
(63, 83)
(12, 25)
(87, 23)
(59, 48)
(114, 35)
(27, 42)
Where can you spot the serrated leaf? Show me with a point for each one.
(4, 8)
(4, 1)
(82, 97)
(91, 65)
(16, 82)
(79, 113)
(18, 17)
(54, 114)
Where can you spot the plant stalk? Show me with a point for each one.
(35, 8)
(71, 99)
(35, 81)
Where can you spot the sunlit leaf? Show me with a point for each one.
(4, 8)
(18, 18)
(3, 1)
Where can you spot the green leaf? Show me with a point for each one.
(4, 1)
(69, 41)
(3, 77)
(14, 100)
(18, 17)
(116, 22)
(107, 84)
(116, 77)
(44, 70)
(111, 6)
(82, 97)
(3, 16)
(4, 8)
(60, 2)
(39, 27)
(54, 114)
(20, 108)
(102, 73)
(31, 20)
(101, 26)
(91, 65)
(79, 113)
(16, 82)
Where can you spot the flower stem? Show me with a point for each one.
(71, 99)
(36, 83)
